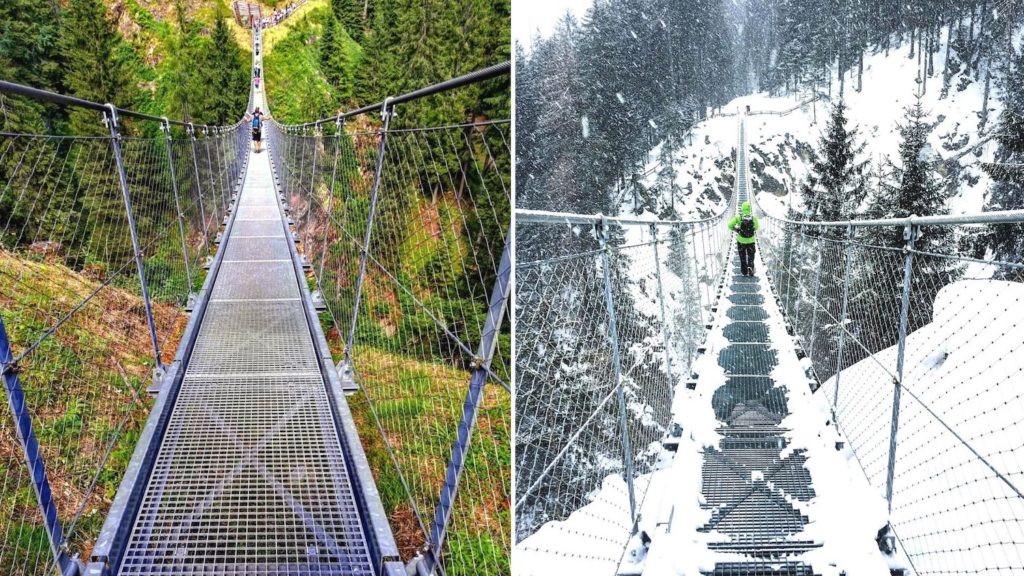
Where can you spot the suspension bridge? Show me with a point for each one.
(846, 410)
(173, 304)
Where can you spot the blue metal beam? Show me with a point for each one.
(470, 409)
(33, 459)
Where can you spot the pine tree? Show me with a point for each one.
(29, 54)
(350, 14)
(836, 186)
(1006, 241)
(97, 67)
(231, 76)
(912, 189)
(326, 44)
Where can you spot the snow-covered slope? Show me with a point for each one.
(949, 506)
(781, 145)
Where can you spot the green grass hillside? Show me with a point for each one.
(297, 88)
(86, 388)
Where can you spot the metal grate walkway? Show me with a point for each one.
(753, 490)
(250, 477)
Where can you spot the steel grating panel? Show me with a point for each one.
(251, 280)
(251, 212)
(747, 313)
(745, 287)
(250, 473)
(754, 359)
(247, 228)
(746, 299)
(746, 332)
(257, 249)
(251, 336)
(250, 476)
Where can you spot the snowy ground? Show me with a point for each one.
(782, 141)
(951, 511)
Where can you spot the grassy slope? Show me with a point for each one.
(296, 89)
(148, 25)
(81, 384)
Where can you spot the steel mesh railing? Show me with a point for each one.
(405, 230)
(919, 354)
(609, 315)
(79, 332)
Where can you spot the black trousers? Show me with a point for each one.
(746, 257)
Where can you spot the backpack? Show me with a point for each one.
(747, 226)
(255, 122)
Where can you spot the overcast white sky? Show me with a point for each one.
(528, 16)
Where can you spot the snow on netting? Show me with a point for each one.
(582, 379)
(956, 464)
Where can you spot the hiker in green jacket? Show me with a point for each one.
(745, 225)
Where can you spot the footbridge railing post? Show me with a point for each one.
(199, 187)
(613, 336)
(842, 313)
(166, 127)
(30, 446)
(910, 233)
(661, 303)
(339, 126)
(481, 366)
(115, 141)
(386, 111)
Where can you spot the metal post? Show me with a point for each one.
(199, 187)
(312, 185)
(910, 233)
(209, 163)
(471, 407)
(339, 124)
(814, 307)
(115, 141)
(613, 335)
(177, 203)
(30, 446)
(661, 303)
(697, 282)
(298, 181)
(842, 313)
(789, 275)
(386, 112)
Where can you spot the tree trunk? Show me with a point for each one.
(913, 32)
(945, 66)
(860, 71)
(984, 103)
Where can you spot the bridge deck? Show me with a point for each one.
(752, 482)
(251, 475)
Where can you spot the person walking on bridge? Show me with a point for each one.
(745, 225)
(257, 128)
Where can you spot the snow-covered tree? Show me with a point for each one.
(1007, 193)
(836, 186)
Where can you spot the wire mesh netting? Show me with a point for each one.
(581, 379)
(76, 346)
(948, 443)
(406, 270)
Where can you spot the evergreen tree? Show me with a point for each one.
(912, 189)
(350, 14)
(98, 68)
(230, 82)
(1006, 241)
(29, 54)
(836, 185)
